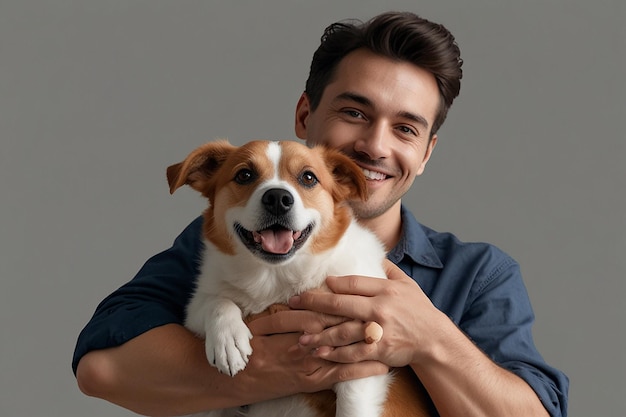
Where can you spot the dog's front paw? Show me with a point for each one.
(228, 349)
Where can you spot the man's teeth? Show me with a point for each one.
(373, 175)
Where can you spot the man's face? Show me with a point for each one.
(380, 113)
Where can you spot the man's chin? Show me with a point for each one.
(370, 209)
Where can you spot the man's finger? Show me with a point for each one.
(354, 353)
(355, 285)
(340, 372)
(341, 335)
(300, 321)
(334, 304)
(394, 272)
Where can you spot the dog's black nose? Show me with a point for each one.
(277, 201)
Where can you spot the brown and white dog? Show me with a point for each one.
(278, 224)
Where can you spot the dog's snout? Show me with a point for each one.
(277, 201)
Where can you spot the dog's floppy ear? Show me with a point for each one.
(350, 180)
(199, 166)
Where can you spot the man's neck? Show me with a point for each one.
(387, 226)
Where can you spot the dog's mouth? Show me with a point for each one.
(275, 243)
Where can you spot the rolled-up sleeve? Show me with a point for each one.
(156, 296)
(499, 320)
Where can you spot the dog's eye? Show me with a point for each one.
(308, 179)
(244, 176)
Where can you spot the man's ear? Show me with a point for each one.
(429, 151)
(303, 110)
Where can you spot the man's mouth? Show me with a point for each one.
(374, 175)
(275, 243)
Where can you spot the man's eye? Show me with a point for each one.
(407, 130)
(308, 179)
(354, 113)
(244, 176)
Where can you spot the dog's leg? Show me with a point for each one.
(227, 342)
(227, 337)
(362, 397)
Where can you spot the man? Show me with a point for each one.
(456, 313)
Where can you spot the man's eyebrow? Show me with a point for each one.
(415, 117)
(354, 97)
(358, 98)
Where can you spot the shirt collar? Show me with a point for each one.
(414, 243)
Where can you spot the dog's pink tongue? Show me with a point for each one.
(275, 241)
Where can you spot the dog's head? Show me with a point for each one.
(271, 199)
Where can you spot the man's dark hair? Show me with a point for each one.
(399, 36)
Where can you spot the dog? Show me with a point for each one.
(278, 223)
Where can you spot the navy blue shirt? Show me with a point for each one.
(478, 286)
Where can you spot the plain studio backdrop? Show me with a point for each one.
(97, 98)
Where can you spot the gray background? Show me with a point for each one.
(98, 97)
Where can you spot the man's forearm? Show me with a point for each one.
(461, 380)
(162, 372)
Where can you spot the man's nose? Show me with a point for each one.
(375, 142)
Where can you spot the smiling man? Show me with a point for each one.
(456, 313)
(387, 131)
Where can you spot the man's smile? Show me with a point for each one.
(374, 175)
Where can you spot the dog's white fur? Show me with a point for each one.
(237, 283)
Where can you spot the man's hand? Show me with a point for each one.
(280, 361)
(398, 304)
(457, 375)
